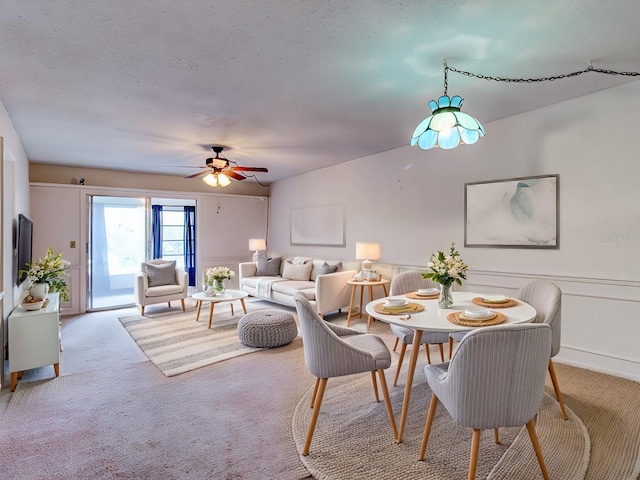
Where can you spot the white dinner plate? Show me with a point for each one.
(477, 314)
(495, 299)
(395, 305)
(462, 316)
(427, 292)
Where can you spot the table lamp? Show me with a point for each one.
(367, 251)
(257, 244)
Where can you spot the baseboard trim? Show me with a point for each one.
(599, 362)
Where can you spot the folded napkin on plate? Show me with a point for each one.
(409, 307)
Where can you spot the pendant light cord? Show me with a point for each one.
(534, 80)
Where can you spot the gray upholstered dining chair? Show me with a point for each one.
(494, 379)
(546, 298)
(334, 351)
(406, 282)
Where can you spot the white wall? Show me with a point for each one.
(14, 199)
(412, 202)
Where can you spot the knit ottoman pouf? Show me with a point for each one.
(267, 329)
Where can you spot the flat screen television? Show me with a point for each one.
(24, 245)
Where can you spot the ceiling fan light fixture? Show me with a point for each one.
(223, 180)
(216, 179)
(210, 180)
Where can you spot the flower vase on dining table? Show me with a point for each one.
(445, 300)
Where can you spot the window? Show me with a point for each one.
(173, 234)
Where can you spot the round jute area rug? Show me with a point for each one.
(353, 439)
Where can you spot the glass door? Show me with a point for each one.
(117, 246)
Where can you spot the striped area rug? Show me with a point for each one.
(176, 343)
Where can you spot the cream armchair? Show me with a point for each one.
(160, 281)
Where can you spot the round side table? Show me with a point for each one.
(364, 283)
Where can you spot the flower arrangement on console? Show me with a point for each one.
(50, 270)
(446, 268)
(215, 275)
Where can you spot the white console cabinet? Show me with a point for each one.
(34, 338)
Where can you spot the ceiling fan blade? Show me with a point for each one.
(251, 169)
(204, 172)
(232, 174)
(181, 166)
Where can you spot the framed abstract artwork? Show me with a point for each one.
(512, 213)
(318, 226)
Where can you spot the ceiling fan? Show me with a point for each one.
(217, 170)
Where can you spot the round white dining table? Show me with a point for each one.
(434, 319)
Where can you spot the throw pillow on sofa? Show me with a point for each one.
(161, 274)
(297, 272)
(268, 267)
(326, 268)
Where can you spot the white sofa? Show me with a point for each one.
(328, 292)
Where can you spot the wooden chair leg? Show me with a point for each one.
(395, 344)
(375, 385)
(473, 460)
(536, 447)
(496, 436)
(556, 387)
(387, 402)
(315, 392)
(441, 347)
(427, 425)
(450, 347)
(322, 384)
(142, 310)
(182, 302)
(403, 349)
(169, 304)
(426, 349)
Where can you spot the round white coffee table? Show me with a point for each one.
(227, 296)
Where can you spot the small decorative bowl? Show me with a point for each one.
(32, 305)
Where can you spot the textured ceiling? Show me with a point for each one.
(289, 85)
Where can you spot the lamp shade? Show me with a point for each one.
(367, 251)
(257, 244)
(216, 179)
(223, 180)
(210, 180)
(447, 127)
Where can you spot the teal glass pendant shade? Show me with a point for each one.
(447, 127)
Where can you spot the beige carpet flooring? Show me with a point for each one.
(227, 421)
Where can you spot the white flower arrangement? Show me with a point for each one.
(219, 274)
(447, 268)
(51, 269)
